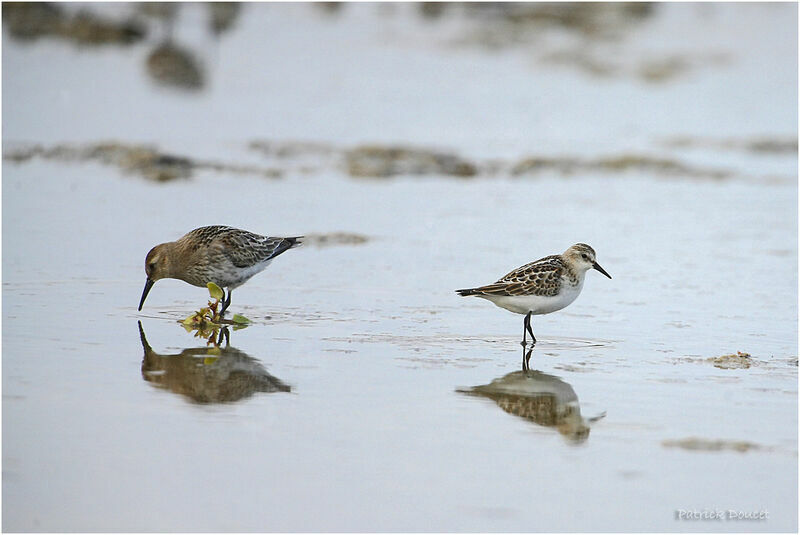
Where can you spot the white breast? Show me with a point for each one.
(537, 304)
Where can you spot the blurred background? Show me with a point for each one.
(421, 147)
(567, 85)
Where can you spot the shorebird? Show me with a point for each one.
(226, 256)
(541, 287)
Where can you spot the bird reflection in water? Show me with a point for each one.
(540, 398)
(208, 374)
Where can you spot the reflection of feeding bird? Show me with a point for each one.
(206, 375)
(540, 398)
(541, 287)
(226, 256)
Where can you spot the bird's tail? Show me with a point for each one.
(465, 292)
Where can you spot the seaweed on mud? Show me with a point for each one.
(734, 361)
(739, 360)
(207, 322)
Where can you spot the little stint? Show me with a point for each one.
(541, 287)
(226, 256)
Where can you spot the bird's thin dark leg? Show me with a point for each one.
(528, 327)
(524, 334)
(524, 328)
(226, 303)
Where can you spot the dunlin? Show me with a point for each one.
(541, 287)
(226, 256)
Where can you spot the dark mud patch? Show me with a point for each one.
(624, 163)
(505, 24)
(141, 160)
(582, 36)
(385, 161)
(650, 70)
(758, 146)
(667, 68)
(366, 161)
(334, 238)
(174, 66)
(168, 64)
(701, 444)
(602, 25)
(223, 16)
(33, 20)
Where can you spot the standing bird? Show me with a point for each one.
(226, 256)
(541, 287)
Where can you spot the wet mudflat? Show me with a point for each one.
(366, 395)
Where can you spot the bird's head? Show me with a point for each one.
(582, 257)
(156, 266)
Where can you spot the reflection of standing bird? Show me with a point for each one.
(540, 398)
(206, 375)
(226, 256)
(541, 287)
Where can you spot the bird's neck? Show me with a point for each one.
(173, 259)
(573, 275)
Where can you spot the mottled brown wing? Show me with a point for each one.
(542, 277)
(245, 249)
(203, 236)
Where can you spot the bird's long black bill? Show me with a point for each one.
(147, 285)
(601, 270)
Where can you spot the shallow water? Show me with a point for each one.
(358, 399)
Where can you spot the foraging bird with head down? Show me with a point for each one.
(226, 256)
(541, 287)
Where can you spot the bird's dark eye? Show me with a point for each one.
(585, 256)
(151, 266)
